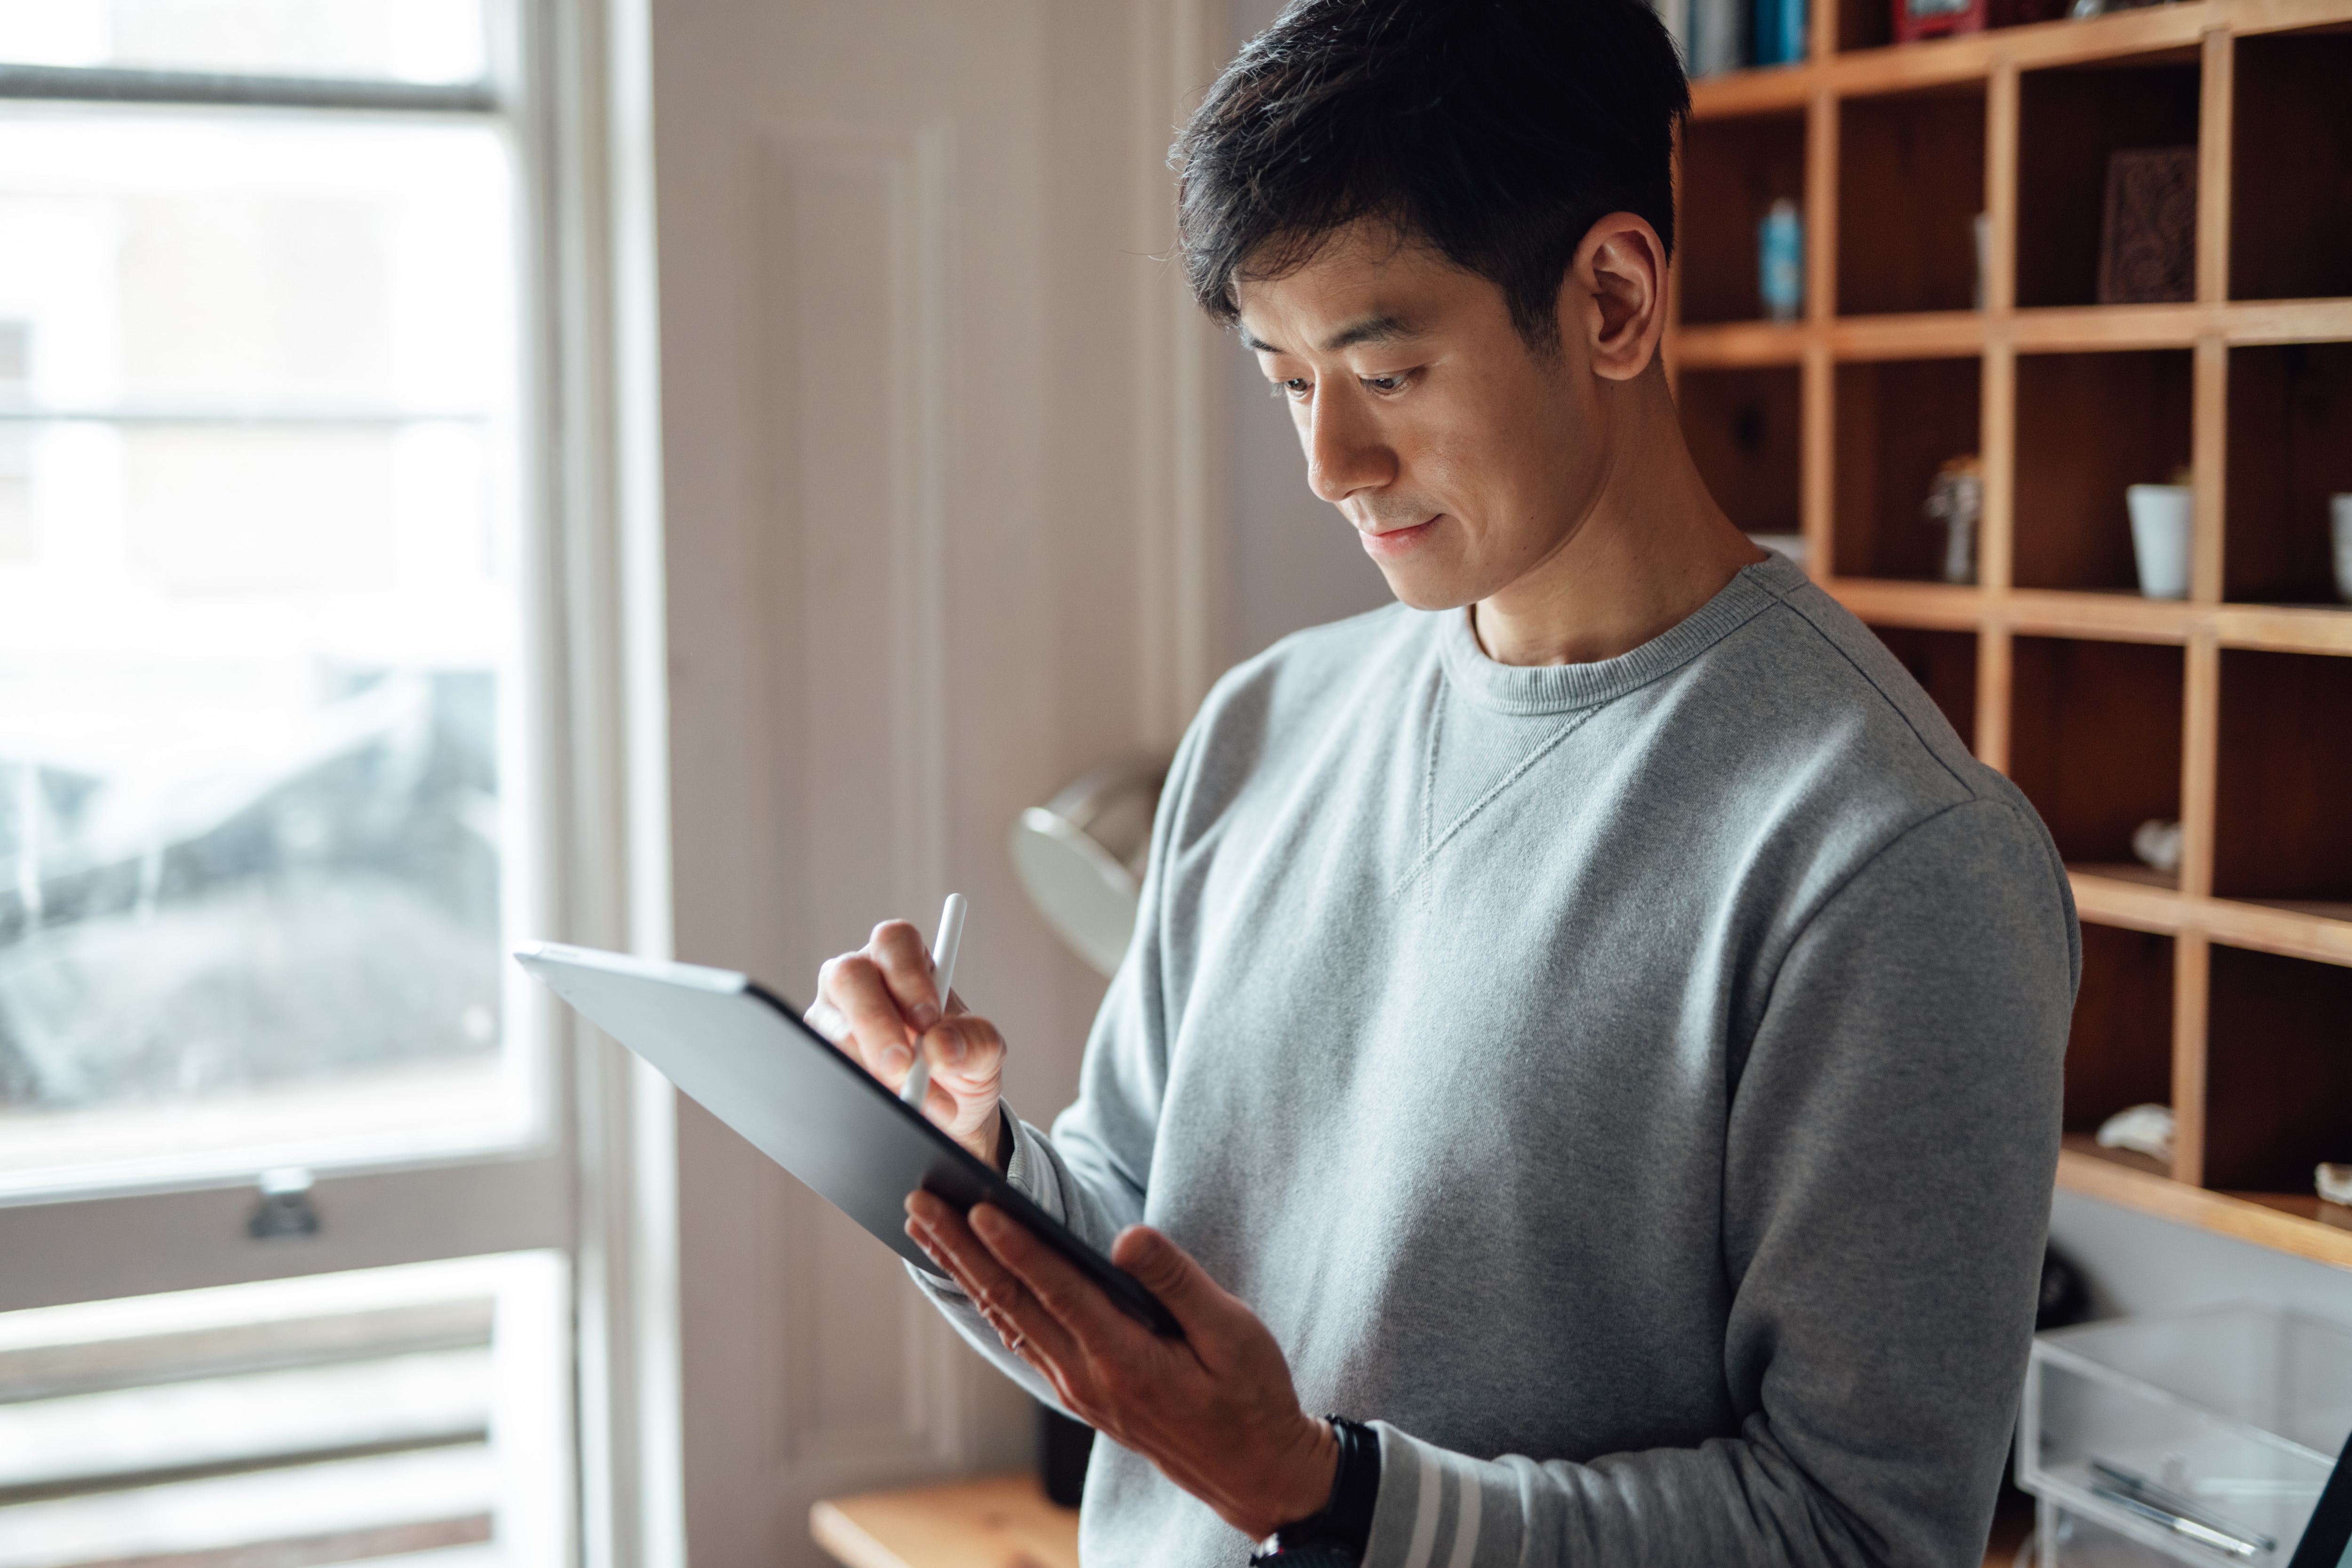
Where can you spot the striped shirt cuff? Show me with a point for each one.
(1433, 1511)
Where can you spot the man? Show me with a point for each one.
(1592, 1026)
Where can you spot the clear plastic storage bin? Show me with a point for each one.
(2064, 1539)
(2207, 1437)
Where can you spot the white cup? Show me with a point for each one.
(2340, 515)
(2160, 525)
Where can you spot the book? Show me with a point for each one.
(1718, 37)
(1777, 32)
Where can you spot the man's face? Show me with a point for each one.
(1462, 459)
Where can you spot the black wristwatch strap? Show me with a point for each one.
(1336, 1535)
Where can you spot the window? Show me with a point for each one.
(260, 749)
(269, 817)
(339, 1417)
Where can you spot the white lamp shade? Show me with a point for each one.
(1081, 854)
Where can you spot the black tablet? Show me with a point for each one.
(744, 1053)
(2327, 1539)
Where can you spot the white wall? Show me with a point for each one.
(1296, 561)
(939, 453)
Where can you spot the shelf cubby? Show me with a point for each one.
(1741, 425)
(2070, 122)
(2229, 709)
(2291, 167)
(2087, 426)
(1863, 25)
(1732, 172)
(2282, 828)
(2119, 1051)
(2278, 1077)
(1945, 665)
(1897, 422)
(1911, 180)
(2290, 448)
(2094, 741)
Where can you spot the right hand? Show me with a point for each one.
(881, 1005)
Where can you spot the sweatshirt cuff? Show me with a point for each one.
(1019, 1163)
(1432, 1508)
(1031, 1169)
(1027, 1157)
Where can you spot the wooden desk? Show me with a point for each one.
(1002, 1522)
(1005, 1521)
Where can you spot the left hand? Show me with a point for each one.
(1215, 1411)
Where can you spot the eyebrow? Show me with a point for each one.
(1379, 328)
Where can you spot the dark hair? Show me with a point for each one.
(1497, 130)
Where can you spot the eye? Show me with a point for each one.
(1296, 388)
(1396, 382)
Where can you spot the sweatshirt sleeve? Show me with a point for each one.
(1096, 1188)
(1892, 1142)
(1091, 1173)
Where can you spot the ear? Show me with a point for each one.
(1614, 299)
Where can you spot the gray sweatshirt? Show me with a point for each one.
(1634, 1086)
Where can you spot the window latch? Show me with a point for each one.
(284, 1212)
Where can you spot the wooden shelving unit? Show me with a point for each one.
(2226, 989)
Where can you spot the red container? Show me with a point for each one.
(1917, 19)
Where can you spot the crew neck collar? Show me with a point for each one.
(1564, 688)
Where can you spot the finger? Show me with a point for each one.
(823, 1010)
(939, 1228)
(876, 1024)
(967, 1048)
(943, 1259)
(1199, 1304)
(1007, 1331)
(826, 1020)
(897, 948)
(1030, 1334)
(1073, 1300)
(998, 1294)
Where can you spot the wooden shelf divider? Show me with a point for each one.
(2267, 1220)
(2068, 402)
(2055, 329)
(2148, 30)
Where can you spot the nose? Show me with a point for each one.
(1344, 451)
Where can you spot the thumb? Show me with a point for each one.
(1171, 1273)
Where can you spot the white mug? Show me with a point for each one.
(2159, 525)
(2339, 511)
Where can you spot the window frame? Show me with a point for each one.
(571, 79)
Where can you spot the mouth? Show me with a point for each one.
(1393, 543)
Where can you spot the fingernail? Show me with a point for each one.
(926, 1015)
(896, 1059)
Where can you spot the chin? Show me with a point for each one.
(1425, 590)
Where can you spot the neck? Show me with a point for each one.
(1650, 549)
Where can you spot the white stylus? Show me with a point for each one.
(943, 956)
